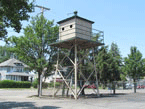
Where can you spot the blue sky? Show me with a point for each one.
(123, 21)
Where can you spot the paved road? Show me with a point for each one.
(22, 99)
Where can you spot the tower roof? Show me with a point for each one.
(12, 62)
(75, 16)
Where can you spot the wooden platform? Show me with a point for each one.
(82, 43)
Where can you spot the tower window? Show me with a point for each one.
(71, 26)
(63, 29)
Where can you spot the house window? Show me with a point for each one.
(8, 77)
(18, 64)
(8, 69)
(18, 70)
(12, 77)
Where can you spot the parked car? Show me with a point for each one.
(140, 87)
(59, 80)
(129, 86)
(90, 86)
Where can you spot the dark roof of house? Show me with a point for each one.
(12, 62)
(73, 18)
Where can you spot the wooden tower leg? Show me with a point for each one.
(75, 65)
(96, 73)
(54, 93)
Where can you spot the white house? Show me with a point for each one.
(57, 76)
(14, 69)
(51, 77)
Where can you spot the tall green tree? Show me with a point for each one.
(108, 66)
(102, 65)
(134, 65)
(114, 50)
(12, 12)
(115, 64)
(33, 48)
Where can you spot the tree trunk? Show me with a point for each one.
(134, 85)
(67, 90)
(113, 87)
(81, 83)
(124, 87)
(63, 89)
(39, 88)
(83, 91)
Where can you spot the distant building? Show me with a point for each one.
(14, 69)
(58, 77)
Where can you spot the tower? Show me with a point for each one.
(75, 33)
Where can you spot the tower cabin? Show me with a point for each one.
(75, 26)
(78, 30)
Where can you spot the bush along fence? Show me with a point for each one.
(14, 84)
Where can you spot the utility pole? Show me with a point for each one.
(41, 76)
(42, 8)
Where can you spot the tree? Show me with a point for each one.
(5, 54)
(108, 65)
(102, 65)
(12, 12)
(115, 64)
(134, 65)
(33, 48)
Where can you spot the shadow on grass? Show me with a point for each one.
(13, 105)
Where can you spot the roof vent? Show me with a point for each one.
(75, 13)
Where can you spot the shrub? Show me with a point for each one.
(14, 84)
(44, 85)
(25, 84)
(50, 84)
(57, 84)
(35, 84)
